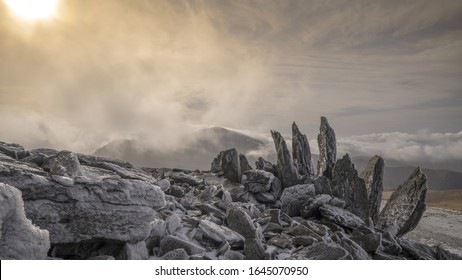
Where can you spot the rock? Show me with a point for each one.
(390, 245)
(208, 193)
(447, 253)
(181, 178)
(220, 233)
(172, 223)
(65, 164)
(293, 198)
(137, 251)
(303, 240)
(323, 251)
(312, 204)
(262, 164)
(163, 184)
(371, 242)
(13, 150)
(301, 230)
(385, 256)
(301, 152)
(281, 241)
(177, 254)
(406, 205)
(176, 191)
(275, 215)
(322, 185)
(240, 222)
(347, 185)
(341, 217)
(98, 206)
(231, 165)
(416, 250)
(102, 258)
(171, 242)
(286, 170)
(327, 149)
(258, 181)
(353, 249)
(19, 238)
(266, 198)
(233, 255)
(373, 177)
(253, 249)
(158, 231)
(245, 166)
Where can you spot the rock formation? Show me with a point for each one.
(406, 205)
(301, 152)
(373, 177)
(19, 238)
(327, 149)
(97, 208)
(286, 170)
(245, 166)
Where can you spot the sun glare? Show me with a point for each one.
(33, 9)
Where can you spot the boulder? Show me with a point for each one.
(390, 245)
(322, 185)
(134, 251)
(253, 249)
(341, 217)
(176, 255)
(258, 181)
(373, 178)
(447, 253)
(13, 150)
(245, 166)
(353, 249)
(262, 164)
(327, 149)
(239, 221)
(220, 234)
(312, 204)
(293, 198)
(19, 238)
(228, 163)
(347, 185)
(323, 251)
(301, 152)
(406, 205)
(417, 251)
(171, 242)
(371, 242)
(286, 170)
(64, 164)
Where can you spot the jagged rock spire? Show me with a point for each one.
(327, 149)
(286, 170)
(406, 205)
(373, 177)
(301, 152)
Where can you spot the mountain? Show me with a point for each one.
(197, 151)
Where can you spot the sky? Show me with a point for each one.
(387, 74)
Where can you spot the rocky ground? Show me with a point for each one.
(59, 204)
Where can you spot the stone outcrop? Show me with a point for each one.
(406, 205)
(228, 163)
(301, 152)
(294, 198)
(286, 170)
(19, 238)
(373, 178)
(327, 149)
(245, 166)
(265, 165)
(347, 185)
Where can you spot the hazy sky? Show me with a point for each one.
(155, 69)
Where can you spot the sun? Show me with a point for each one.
(33, 9)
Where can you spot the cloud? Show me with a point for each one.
(423, 146)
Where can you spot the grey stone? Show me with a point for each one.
(373, 177)
(245, 166)
(231, 165)
(163, 184)
(301, 230)
(281, 241)
(266, 198)
(170, 243)
(258, 181)
(323, 251)
(347, 185)
(19, 238)
(262, 164)
(176, 191)
(13, 150)
(232, 255)
(172, 223)
(303, 240)
(301, 152)
(341, 217)
(240, 222)
(253, 249)
(177, 254)
(65, 164)
(417, 250)
(370, 242)
(386, 257)
(275, 215)
(327, 149)
(406, 205)
(322, 185)
(181, 178)
(220, 234)
(447, 253)
(354, 249)
(312, 204)
(293, 198)
(134, 251)
(286, 170)
(390, 245)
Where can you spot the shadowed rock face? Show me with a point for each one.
(373, 177)
(348, 186)
(286, 170)
(301, 152)
(19, 238)
(406, 205)
(327, 149)
(228, 163)
(265, 165)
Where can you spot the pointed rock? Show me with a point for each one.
(327, 149)
(228, 163)
(406, 205)
(245, 166)
(301, 152)
(373, 177)
(347, 185)
(286, 170)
